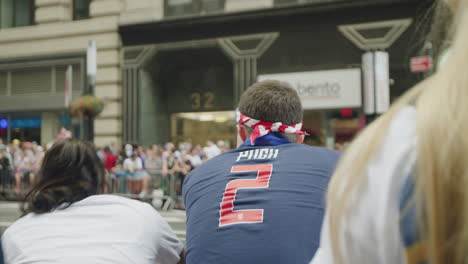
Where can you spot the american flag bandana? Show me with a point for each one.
(261, 128)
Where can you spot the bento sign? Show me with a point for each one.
(324, 89)
(321, 90)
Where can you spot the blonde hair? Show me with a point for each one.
(441, 175)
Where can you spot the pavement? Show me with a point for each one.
(10, 211)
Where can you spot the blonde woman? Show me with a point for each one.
(400, 194)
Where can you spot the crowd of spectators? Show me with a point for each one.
(133, 170)
(19, 164)
(136, 170)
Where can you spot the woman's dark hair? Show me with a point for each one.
(70, 172)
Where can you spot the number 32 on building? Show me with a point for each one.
(227, 214)
(202, 100)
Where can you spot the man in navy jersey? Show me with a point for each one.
(264, 201)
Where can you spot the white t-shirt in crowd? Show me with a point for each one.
(211, 151)
(101, 229)
(371, 232)
(133, 165)
(195, 160)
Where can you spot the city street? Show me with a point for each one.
(270, 129)
(9, 212)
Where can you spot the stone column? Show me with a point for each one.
(134, 59)
(49, 127)
(245, 74)
(107, 126)
(244, 52)
(130, 104)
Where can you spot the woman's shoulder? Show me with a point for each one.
(104, 203)
(399, 149)
(114, 200)
(111, 206)
(405, 117)
(16, 229)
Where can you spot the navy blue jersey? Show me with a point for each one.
(258, 204)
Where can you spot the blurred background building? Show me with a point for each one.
(173, 70)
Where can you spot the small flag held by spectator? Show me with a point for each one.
(63, 134)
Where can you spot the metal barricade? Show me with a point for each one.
(162, 189)
(5, 180)
(7, 185)
(166, 184)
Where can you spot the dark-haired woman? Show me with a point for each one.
(67, 221)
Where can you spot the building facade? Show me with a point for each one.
(173, 70)
(35, 54)
(186, 65)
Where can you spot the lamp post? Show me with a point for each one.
(91, 68)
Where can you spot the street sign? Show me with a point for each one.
(421, 64)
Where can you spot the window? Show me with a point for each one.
(16, 13)
(290, 2)
(191, 7)
(40, 79)
(81, 9)
(285, 2)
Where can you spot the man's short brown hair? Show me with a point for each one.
(272, 101)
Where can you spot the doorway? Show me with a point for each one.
(198, 127)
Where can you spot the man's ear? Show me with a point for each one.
(241, 135)
(300, 139)
(241, 132)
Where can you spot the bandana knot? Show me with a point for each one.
(262, 128)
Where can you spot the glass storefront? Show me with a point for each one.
(332, 128)
(198, 127)
(21, 127)
(325, 128)
(25, 128)
(41, 127)
(3, 129)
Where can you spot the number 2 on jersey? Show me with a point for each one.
(227, 214)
